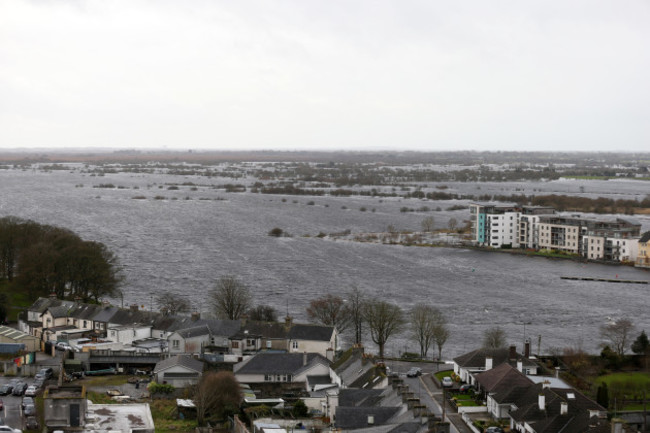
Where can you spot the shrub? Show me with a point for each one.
(159, 388)
(276, 231)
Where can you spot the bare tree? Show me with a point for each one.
(230, 298)
(422, 327)
(217, 394)
(170, 303)
(618, 334)
(452, 224)
(383, 320)
(330, 310)
(427, 224)
(263, 313)
(494, 338)
(440, 330)
(356, 300)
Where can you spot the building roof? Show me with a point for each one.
(267, 330)
(311, 332)
(105, 418)
(645, 237)
(179, 360)
(279, 363)
(579, 418)
(476, 358)
(196, 331)
(15, 334)
(42, 304)
(501, 380)
(355, 417)
(84, 311)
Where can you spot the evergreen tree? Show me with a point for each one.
(641, 344)
(602, 395)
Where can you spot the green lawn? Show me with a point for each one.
(439, 375)
(636, 379)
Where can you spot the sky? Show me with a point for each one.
(548, 75)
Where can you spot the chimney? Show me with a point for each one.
(288, 321)
(329, 354)
(52, 295)
(564, 408)
(195, 316)
(527, 349)
(304, 358)
(371, 420)
(244, 319)
(134, 307)
(541, 401)
(557, 371)
(488, 363)
(546, 384)
(512, 353)
(105, 303)
(520, 366)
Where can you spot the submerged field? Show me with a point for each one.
(181, 233)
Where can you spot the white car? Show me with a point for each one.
(31, 391)
(447, 382)
(7, 429)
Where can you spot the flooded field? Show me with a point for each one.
(184, 239)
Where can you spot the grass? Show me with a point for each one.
(108, 380)
(165, 417)
(638, 379)
(439, 375)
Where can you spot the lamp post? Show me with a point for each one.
(525, 323)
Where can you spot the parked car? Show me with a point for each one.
(7, 429)
(31, 390)
(29, 410)
(414, 372)
(466, 388)
(447, 382)
(62, 345)
(494, 430)
(2, 405)
(39, 382)
(19, 389)
(45, 372)
(6, 389)
(31, 423)
(26, 401)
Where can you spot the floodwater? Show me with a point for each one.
(186, 239)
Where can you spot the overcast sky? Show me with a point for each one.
(328, 75)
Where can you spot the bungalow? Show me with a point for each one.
(179, 371)
(313, 339)
(476, 361)
(190, 340)
(266, 367)
(543, 409)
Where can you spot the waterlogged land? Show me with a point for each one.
(182, 231)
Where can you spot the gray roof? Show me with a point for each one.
(179, 360)
(84, 311)
(357, 417)
(645, 237)
(105, 314)
(42, 304)
(57, 312)
(311, 332)
(279, 363)
(194, 332)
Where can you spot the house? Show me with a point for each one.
(643, 256)
(537, 404)
(179, 371)
(354, 370)
(313, 339)
(272, 367)
(190, 340)
(389, 410)
(543, 409)
(287, 336)
(127, 334)
(500, 384)
(476, 361)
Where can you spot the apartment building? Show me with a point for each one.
(506, 225)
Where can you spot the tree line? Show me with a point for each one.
(353, 312)
(44, 259)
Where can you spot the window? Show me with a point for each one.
(235, 344)
(176, 344)
(294, 344)
(85, 324)
(250, 342)
(268, 344)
